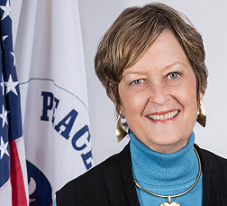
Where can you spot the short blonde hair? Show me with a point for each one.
(133, 32)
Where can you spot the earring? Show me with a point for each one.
(201, 117)
(120, 132)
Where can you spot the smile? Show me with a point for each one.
(166, 116)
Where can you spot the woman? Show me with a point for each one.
(151, 63)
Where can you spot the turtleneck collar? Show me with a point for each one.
(154, 170)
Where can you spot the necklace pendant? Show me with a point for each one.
(170, 204)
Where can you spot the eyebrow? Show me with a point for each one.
(133, 73)
(142, 72)
(176, 63)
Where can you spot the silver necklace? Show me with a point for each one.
(177, 195)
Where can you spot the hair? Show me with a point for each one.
(133, 32)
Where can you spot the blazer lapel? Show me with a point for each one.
(119, 180)
(126, 171)
(206, 178)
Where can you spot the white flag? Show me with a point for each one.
(55, 114)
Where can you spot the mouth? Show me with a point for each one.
(166, 116)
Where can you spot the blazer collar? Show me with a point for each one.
(126, 170)
(119, 180)
(206, 177)
(120, 184)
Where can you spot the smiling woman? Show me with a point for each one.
(151, 62)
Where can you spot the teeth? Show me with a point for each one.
(164, 117)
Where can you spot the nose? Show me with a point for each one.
(159, 94)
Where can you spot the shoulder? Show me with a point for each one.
(214, 170)
(213, 165)
(92, 184)
(109, 167)
(211, 158)
(96, 174)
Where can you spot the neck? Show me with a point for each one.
(157, 169)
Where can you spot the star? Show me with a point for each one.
(11, 85)
(3, 41)
(3, 148)
(3, 115)
(3, 86)
(4, 37)
(14, 59)
(6, 9)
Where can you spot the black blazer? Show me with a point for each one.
(111, 183)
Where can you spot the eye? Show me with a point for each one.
(137, 82)
(173, 75)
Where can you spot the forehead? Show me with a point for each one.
(164, 52)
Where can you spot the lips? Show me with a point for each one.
(164, 116)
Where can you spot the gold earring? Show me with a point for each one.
(120, 132)
(201, 117)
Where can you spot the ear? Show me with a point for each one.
(201, 95)
(120, 109)
(111, 96)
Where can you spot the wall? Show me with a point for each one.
(209, 17)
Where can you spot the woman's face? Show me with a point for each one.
(158, 96)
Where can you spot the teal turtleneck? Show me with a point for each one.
(166, 174)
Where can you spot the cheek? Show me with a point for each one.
(132, 103)
(189, 99)
(188, 90)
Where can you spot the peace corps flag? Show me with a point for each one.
(55, 113)
(13, 174)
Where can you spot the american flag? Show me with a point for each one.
(12, 156)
